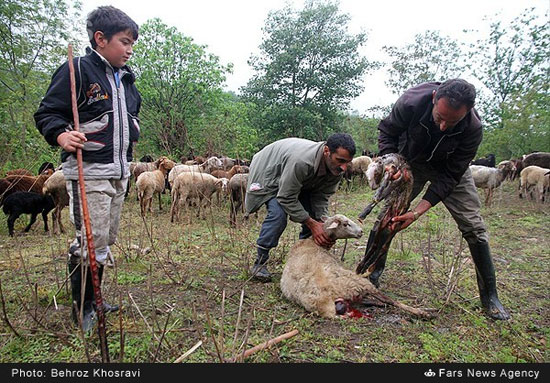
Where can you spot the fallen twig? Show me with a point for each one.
(188, 352)
(268, 344)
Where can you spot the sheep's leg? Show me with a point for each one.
(232, 213)
(160, 203)
(45, 219)
(11, 222)
(33, 220)
(375, 293)
(59, 220)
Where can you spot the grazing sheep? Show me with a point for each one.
(488, 179)
(228, 174)
(237, 191)
(56, 186)
(357, 167)
(488, 161)
(151, 182)
(537, 177)
(13, 183)
(208, 166)
(508, 167)
(540, 159)
(147, 158)
(22, 202)
(192, 185)
(316, 279)
(136, 168)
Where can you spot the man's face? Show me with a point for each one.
(118, 49)
(338, 161)
(445, 116)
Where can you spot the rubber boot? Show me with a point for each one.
(89, 316)
(379, 266)
(259, 270)
(107, 308)
(486, 281)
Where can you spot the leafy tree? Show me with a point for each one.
(512, 63)
(33, 42)
(308, 69)
(180, 84)
(431, 57)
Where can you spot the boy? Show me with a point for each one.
(108, 105)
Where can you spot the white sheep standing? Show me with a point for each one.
(207, 166)
(537, 177)
(488, 179)
(192, 185)
(316, 279)
(56, 186)
(151, 182)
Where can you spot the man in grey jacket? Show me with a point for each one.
(295, 178)
(437, 129)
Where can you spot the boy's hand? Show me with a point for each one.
(70, 141)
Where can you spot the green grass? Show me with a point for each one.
(178, 274)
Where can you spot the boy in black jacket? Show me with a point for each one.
(108, 106)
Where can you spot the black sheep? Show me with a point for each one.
(27, 203)
(488, 161)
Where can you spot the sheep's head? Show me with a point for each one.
(339, 226)
(221, 184)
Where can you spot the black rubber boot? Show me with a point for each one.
(486, 281)
(89, 316)
(259, 270)
(378, 270)
(107, 308)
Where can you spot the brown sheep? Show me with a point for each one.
(151, 182)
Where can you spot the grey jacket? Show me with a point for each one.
(283, 170)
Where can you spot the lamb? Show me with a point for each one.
(488, 161)
(207, 166)
(535, 176)
(151, 182)
(23, 202)
(317, 280)
(488, 179)
(190, 185)
(237, 191)
(56, 186)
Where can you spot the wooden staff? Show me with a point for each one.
(87, 224)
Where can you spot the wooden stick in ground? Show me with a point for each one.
(269, 343)
(87, 224)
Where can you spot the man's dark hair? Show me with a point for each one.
(341, 140)
(110, 21)
(458, 92)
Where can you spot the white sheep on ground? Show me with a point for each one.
(534, 177)
(56, 186)
(358, 167)
(151, 182)
(192, 185)
(207, 166)
(316, 279)
(488, 179)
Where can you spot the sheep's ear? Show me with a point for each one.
(334, 224)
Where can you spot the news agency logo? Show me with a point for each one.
(429, 373)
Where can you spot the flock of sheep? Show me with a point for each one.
(532, 169)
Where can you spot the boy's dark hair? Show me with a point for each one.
(341, 140)
(458, 92)
(110, 21)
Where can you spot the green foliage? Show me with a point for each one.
(34, 36)
(308, 69)
(511, 63)
(184, 109)
(431, 57)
